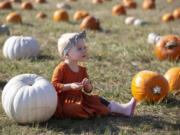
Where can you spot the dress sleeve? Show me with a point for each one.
(57, 79)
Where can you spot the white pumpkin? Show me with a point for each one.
(4, 29)
(29, 98)
(139, 22)
(130, 20)
(63, 6)
(19, 47)
(153, 38)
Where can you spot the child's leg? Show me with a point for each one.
(104, 101)
(123, 109)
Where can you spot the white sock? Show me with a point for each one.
(123, 109)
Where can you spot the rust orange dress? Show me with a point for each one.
(75, 103)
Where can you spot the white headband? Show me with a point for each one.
(73, 41)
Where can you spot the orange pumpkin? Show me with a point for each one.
(173, 78)
(60, 15)
(80, 15)
(149, 86)
(167, 17)
(13, 18)
(71, 0)
(89, 22)
(176, 13)
(130, 4)
(5, 5)
(170, 0)
(118, 10)
(18, 1)
(97, 1)
(40, 1)
(168, 47)
(148, 4)
(26, 5)
(41, 15)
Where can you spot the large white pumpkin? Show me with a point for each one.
(29, 98)
(19, 47)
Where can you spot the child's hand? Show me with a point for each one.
(86, 82)
(87, 85)
(76, 86)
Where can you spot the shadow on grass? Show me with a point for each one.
(108, 124)
(42, 57)
(172, 102)
(27, 24)
(2, 84)
(45, 57)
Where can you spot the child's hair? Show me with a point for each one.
(66, 41)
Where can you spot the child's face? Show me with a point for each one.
(78, 52)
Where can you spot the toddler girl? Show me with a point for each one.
(72, 84)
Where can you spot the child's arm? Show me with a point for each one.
(57, 81)
(72, 86)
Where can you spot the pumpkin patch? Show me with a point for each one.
(120, 44)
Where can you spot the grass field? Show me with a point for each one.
(126, 52)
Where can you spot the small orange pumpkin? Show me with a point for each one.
(41, 15)
(168, 47)
(130, 4)
(149, 86)
(97, 1)
(80, 15)
(13, 18)
(71, 0)
(26, 5)
(5, 5)
(60, 15)
(173, 78)
(40, 1)
(176, 13)
(18, 1)
(118, 10)
(167, 17)
(170, 0)
(89, 22)
(148, 4)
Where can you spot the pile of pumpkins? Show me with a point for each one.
(150, 86)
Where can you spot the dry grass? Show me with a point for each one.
(126, 53)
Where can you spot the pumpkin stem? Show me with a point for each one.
(171, 45)
(156, 90)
